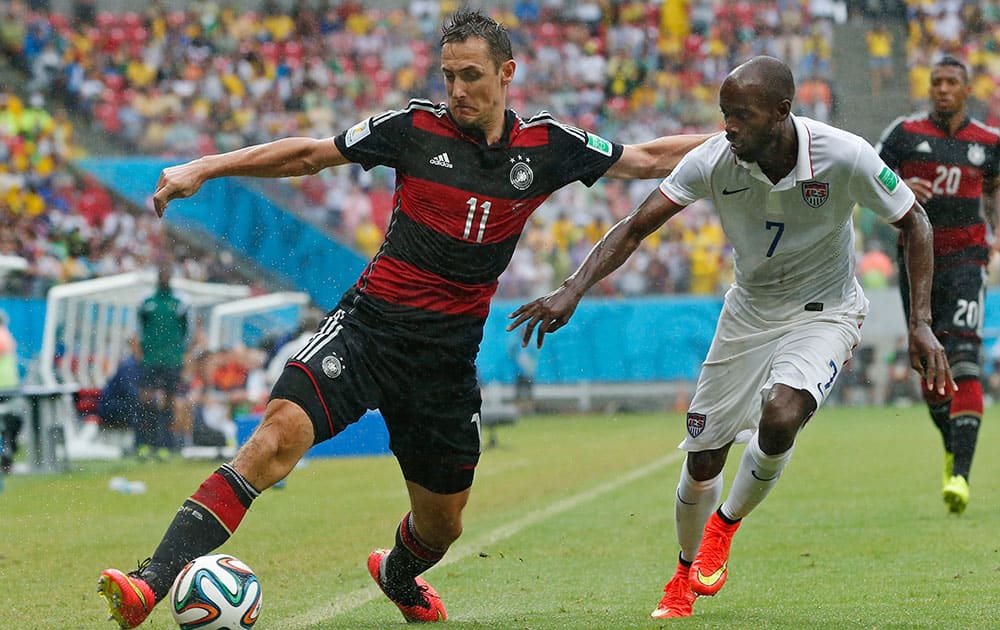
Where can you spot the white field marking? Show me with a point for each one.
(461, 551)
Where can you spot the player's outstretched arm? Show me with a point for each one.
(927, 355)
(551, 312)
(288, 157)
(656, 158)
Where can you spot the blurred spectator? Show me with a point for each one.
(163, 334)
(119, 403)
(879, 41)
(876, 269)
(10, 378)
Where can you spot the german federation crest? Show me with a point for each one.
(695, 423)
(521, 175)
(977, 154)
(332, 366)
(815, 193)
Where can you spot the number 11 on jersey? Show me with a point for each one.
(470, 221)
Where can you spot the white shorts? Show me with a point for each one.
(749, 356)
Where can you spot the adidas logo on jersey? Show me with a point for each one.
(441, 160)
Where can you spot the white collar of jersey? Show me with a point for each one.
(803, 170)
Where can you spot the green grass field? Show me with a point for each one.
(570, 526)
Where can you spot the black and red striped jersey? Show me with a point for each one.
(460, 205)
(956, 165)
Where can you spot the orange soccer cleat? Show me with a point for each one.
(422, 605)
(711, 564)
(130, 599)
(678, 598)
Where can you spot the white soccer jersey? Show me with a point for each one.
(793, 241)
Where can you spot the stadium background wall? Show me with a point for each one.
(608, 341)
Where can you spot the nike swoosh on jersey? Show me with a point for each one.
(710, 580)
(726, 191)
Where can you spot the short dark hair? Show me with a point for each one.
(954, 62)
(466, 23)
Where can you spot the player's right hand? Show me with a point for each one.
(176, 182)
(928, 358)
(549, 313)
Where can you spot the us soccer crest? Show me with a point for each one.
(815, 193)
(695, 423)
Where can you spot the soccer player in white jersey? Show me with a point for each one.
(784, 188)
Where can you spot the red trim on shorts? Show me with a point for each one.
(218, 497)
(312, 379)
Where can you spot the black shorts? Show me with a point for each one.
(428, 396)
(957, 298)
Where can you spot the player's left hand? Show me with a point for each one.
(549, 313)
(928, 358)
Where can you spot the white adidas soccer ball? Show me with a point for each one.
(216, 592)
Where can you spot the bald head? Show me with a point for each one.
(767, 76)
(756, 102)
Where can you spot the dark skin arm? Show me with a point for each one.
(927, 355)
(551, 312)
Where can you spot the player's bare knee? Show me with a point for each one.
(785, 412)
(705, 465)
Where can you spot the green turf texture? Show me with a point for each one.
(570, 525)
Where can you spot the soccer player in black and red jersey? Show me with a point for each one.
(404, 338)
(952, 163)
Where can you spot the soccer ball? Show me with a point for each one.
(216, 592)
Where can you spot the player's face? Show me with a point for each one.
(751, 121)
(949, 89)
(477, 89)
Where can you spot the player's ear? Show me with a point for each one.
(507, 72)
(784, 108)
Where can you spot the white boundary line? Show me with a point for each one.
(461, 551)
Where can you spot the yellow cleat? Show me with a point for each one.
(949, 465)
(956, 494)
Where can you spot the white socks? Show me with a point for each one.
(757, 475)
(693, 504)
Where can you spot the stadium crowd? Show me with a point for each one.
(214, 77)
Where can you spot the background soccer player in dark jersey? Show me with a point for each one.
(951, 162)
(404, 339)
